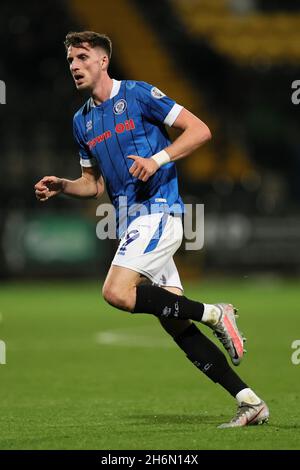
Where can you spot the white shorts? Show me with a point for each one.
(148, 247)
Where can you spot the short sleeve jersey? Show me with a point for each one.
(131, 122)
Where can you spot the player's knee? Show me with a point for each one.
(111, 295)
(118, 297)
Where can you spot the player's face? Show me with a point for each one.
(86, 65)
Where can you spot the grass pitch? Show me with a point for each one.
(81, 375)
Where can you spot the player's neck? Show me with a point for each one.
(102, 91)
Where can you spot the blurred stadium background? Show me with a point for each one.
(231, 62)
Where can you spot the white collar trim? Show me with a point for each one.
(115, 88)
(114, 91)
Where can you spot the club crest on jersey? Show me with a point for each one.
(120, 106)
(89, 125)
(156, 93)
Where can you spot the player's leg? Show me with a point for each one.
(148, 245)
(151, 256)
(207, 357)
(202, 352)
(219, 317)
(119, 288)
(146, 254)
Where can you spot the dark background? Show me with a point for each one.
(230, 62)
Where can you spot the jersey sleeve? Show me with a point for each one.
(86, 158)
(156, 105)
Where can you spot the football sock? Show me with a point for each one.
(211, 314)
(248, 396)
(207, 357)
(165, 304)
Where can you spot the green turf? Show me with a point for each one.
(61, 389)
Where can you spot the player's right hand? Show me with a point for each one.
(47, 187)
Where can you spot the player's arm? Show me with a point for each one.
(194, 134)
(89, 185)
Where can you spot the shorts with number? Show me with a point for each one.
(148, 247)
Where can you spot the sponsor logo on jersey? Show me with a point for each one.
(89, 125)
(121, 127)
(156, 93)
(120, 106)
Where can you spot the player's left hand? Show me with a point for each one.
(142, 168)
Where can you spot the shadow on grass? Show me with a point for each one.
(201, 419)
(280, 427)
(172, 419)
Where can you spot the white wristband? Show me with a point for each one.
(161, 158)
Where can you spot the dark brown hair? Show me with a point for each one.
(75, 39)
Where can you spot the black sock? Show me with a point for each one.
(205, 355)
(165, 304)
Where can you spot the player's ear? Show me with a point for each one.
(104, 60)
